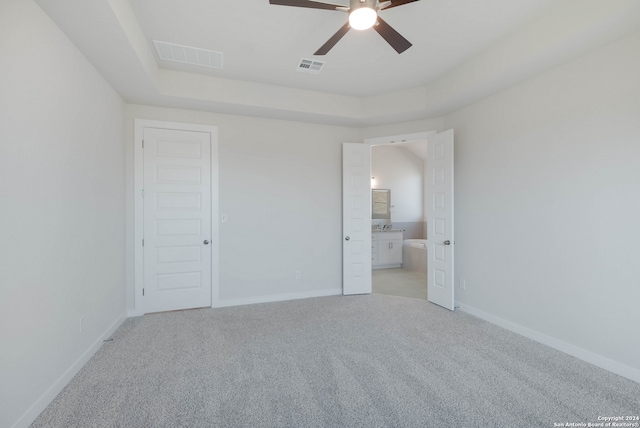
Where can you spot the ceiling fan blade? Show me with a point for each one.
(306, 3)
(399, 43)
(333, 40)
(396, 3)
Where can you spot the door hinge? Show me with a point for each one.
(143, 242)
(143, 144)
(143, 291)
(143, 193)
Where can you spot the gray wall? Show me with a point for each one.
(547, 208)
(398, 169)
(61, 210)
(281, 189)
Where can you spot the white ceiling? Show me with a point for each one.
(462, 50)
(263, 43)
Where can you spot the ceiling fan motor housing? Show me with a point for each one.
(357, 4)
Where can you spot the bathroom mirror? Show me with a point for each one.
(380, 202)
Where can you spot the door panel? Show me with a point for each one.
(177, 219)
(356, 220)
(440, 242)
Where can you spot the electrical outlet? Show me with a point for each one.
(463, 284)
(298, 274)
(224, 218)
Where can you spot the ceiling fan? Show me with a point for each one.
(363, 14)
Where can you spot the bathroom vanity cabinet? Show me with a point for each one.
(386, 249)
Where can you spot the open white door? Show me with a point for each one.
(440, 240)
(356, 218)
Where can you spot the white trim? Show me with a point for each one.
(138, 225)
(402, 138)
(280, 297)
(567, 348)
(41, 403)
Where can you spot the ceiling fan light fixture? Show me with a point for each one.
(363, 14)
(362, 18)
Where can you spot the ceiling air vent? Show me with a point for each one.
(310, 66)
(188, 55)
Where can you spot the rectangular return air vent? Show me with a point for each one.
(188, 55)
(310, 66)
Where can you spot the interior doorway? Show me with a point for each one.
(361, 253)
(399, 231)
(420, 223)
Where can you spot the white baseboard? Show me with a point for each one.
(567, 348)
(51, 393)
(279, 297)
(263, 299)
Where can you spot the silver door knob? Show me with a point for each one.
(447, 242)
(206, 242)
(347, 238)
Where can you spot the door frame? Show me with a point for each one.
(392, 139)
(138, 225)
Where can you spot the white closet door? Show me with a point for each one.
(177, 219)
